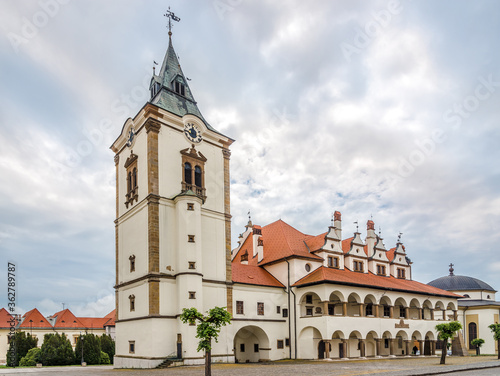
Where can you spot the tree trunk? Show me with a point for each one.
(444, 349)
(208, 363)
(478, 352)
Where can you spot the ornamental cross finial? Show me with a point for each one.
(171, 17)
(451, 269)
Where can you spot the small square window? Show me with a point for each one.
(280, 344)
(309, 311)
(239, 307)
(255, 347)
(192, 294)
(260, 309)
(131, 347)
(278, 309)
(192, 265)
(284, 312)
(190, 206)
(191, 238)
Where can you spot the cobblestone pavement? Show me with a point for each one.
(389, 367)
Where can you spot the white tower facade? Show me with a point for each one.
(172, 224)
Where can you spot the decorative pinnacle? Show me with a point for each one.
(171, 17)
(451, 269)
(399, 237)
(357, 226)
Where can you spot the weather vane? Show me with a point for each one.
(399, 237)
(249, 216)
(357, 227)
(171, 17)
(379, 232)
(333, 214)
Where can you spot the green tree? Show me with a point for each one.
(445, 332)
(91, 349)
(108, 346)
(31, 358)
(207, 330)
(23, 343)
(56, 350)
(477, 342)
(495, 328)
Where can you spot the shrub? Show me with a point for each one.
(23, 343)
(91, 349)
(104, 358)
(56, 350)
(108, 346)
(31, 358)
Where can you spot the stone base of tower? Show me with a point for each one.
(136, 362)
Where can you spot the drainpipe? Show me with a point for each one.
(466, 335)
(290, 315)
(289, 311)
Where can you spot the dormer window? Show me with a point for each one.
(155, 89)
(179, 88)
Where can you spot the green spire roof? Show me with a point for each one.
(170, 90)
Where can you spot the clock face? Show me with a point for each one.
(131, 135)
(192, 132)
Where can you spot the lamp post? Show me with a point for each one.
(81, 339)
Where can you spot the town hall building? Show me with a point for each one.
(291, 295)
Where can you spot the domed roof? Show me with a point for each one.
(460, 282)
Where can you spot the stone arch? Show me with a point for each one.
(310, 304)
(371, 344)
(451, 311)
(337, 344)
(369, 305)
(400, 308)
(335, 303)
(385, 346)
(439, 306)
(353, 304)
(415, 311)
(353, 344)
(401, 347)
(251, 344)
(309, 339)
(427, 310)
(428, 344)
(385, 306)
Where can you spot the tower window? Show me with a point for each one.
(132, 263)
(132, 180)
(239, 307)
(179, 88)
(131, 347)
(192, 294)
(190, 238)
(190, 206)
(197, 176)
(132, 302)
(260, 309)
(188, 176)
(192, 265)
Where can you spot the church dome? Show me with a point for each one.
(460, 282)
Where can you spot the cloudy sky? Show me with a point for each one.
(380, 109)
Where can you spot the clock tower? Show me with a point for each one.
(173, 224)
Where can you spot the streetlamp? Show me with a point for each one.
(81, 339)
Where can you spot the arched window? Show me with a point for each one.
(134, 178)
(197, 176)
(472, 334)
(466, 296)
(188, 173)
(129, 182)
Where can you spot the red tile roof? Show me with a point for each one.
(326, 275)
(66, 319)
(111, 318)
(346, 244)
(5, 318)
(93, 322)
(316, 242)
(283, 241)
(37, 320)
(390, 254)
(253, 275)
